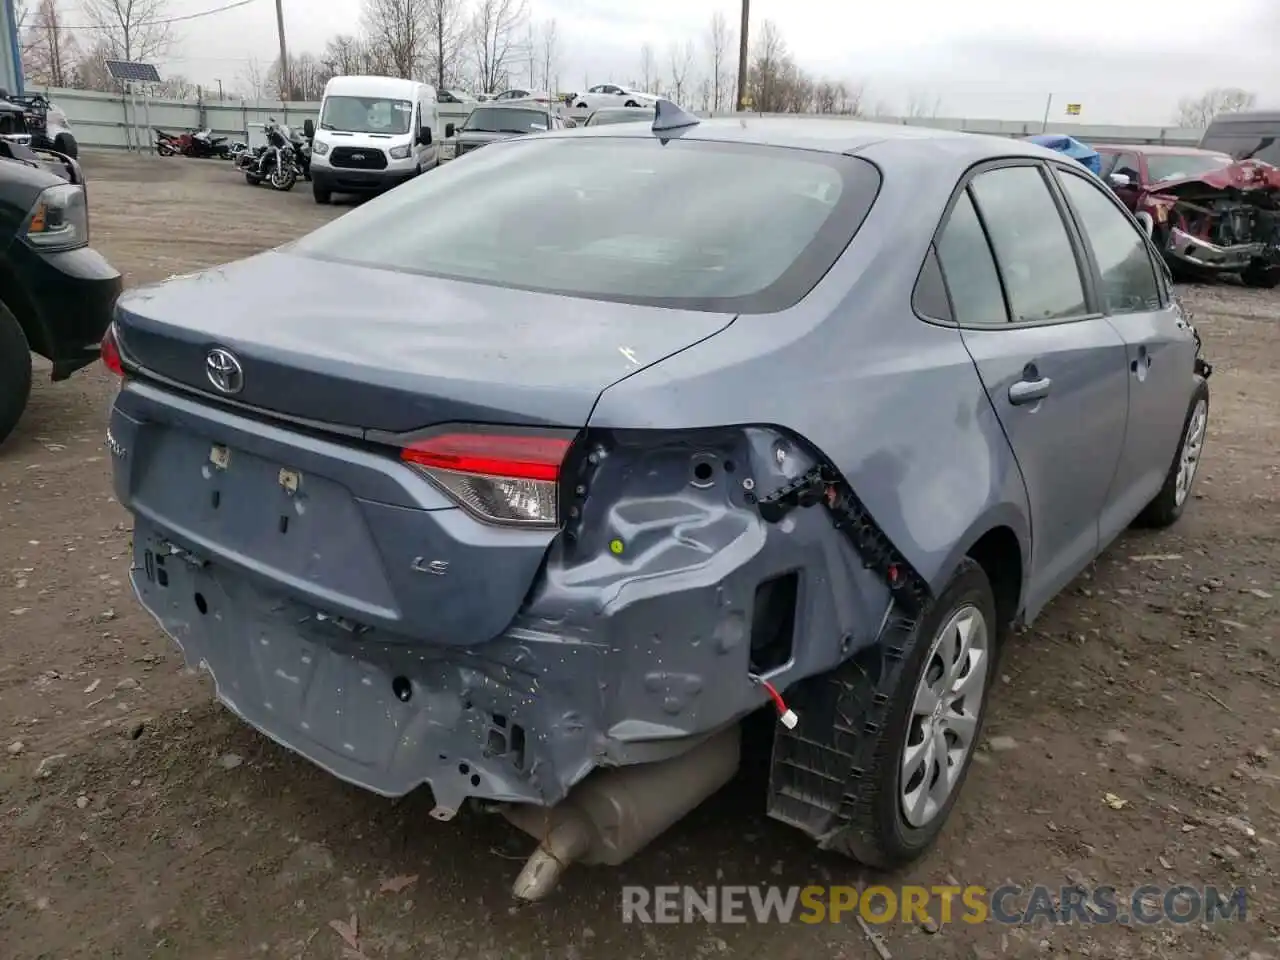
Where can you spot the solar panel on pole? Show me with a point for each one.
(132, 71)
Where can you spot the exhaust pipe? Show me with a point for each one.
(615, 812)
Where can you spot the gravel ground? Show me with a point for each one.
(139, 819)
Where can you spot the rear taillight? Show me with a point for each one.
(110, 352)
(506, 478)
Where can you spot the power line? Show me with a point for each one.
(144, 23)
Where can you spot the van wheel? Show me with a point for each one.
(15, 372)
(904, 718)
(1169, 503)
(320, 193)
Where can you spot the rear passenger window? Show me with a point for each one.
(968, 269)
(1128, 276)
(1031, 244)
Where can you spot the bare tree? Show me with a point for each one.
(648, 67)
(343, 55)
(548, 52)
(849, 99)
(447, 35)
(307, 76)
(1200, 111)
(681, 64)
(399, 27)
(770, 63)
(90, 73)
(719, 41)
(252, 80)
(921, 105)
(131, 29)
(48, 52)
(495, 28)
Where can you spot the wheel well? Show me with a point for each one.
(27, 320)
(998, 553)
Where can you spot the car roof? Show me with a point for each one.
(1155, 149)
(371, 86)
(838, 136)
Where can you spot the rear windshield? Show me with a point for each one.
(697, 225)
(601, 117)
(1175, 166)
(366, 115)
(507, 120)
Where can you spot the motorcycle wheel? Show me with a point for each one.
(252, 179)
(164, 150)
(283, 177)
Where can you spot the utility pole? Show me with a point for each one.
(742, 53)
(219, 79)
(285, 89)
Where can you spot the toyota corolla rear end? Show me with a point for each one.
(369, 500)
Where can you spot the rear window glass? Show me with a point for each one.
(697, 225)
(507, 120)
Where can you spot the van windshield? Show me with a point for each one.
(366, 115)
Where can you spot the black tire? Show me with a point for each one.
(1165, 509)
(582, 106)
(1261, 276)
(631, 103)
(66, 144)
(322, 195)
(252, 179)
(875, 831)
(283, 179)
(15, 372)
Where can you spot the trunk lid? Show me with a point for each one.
(378, 350)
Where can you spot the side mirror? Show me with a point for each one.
(424, 136)
(1120, 180)
(449, 129)
(308, 128)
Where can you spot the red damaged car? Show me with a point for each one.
(1209, 213)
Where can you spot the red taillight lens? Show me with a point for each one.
(110, 351)
(500, 478)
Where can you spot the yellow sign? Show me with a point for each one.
(1073, 109)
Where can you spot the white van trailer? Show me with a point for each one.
(373, 133)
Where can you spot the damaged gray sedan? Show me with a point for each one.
(532, 480)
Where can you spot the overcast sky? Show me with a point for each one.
(1122, 62)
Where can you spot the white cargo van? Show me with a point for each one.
(373, 133)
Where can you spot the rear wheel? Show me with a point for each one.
(15, 371)
(896, 805)
(252, 179)
(631, 103)
(1172, 499)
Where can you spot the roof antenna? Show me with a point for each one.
(669, 116)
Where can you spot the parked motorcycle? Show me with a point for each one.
(170, 144)
(203, 145)
(277, 162)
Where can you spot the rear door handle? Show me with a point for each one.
(1029, 391)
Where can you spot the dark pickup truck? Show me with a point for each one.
(56, 292)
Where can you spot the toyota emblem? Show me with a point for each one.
(224, 371)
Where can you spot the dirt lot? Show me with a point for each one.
(139, 819)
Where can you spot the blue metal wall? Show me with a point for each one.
(10, 61)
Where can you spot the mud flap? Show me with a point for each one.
(815, 763)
